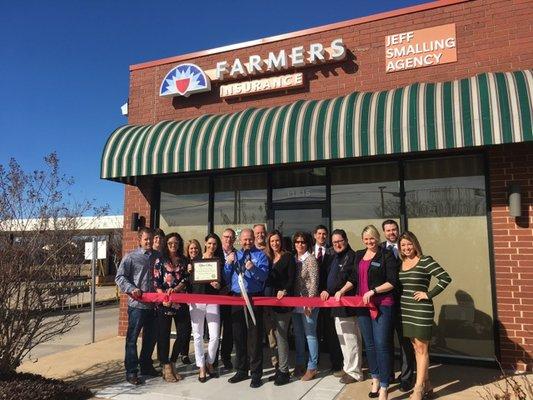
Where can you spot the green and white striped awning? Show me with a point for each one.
(487, 109)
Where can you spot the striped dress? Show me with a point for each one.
(417, 316)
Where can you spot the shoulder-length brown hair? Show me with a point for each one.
(197, 243)
(179, 250)
(411, 237)
(269, 251)
(306, 238)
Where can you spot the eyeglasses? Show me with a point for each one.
(299, 242)
(338, 241)
(172, 243)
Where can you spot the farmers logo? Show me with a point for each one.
(184, 80)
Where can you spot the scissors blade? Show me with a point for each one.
(244, 294)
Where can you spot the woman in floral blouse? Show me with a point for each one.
(171, 276)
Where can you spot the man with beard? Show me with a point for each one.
(134, 277)
(341, 271)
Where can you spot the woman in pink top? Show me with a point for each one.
(376, 271)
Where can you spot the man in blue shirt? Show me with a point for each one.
(247, 336)
(134, 277)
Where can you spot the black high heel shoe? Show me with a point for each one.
(373, 395)
(212, 373)
(202, 379)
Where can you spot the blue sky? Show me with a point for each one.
(64, 66)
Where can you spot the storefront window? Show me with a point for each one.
(362, 195)
(240, 201)
(445, 201)
(299, 185)
(184, 207)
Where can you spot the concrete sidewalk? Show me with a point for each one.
(100, 367)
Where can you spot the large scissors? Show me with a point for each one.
(244, 293)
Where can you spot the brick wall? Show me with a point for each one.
(491, 36)
(513, 253)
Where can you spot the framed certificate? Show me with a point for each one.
(206, 270)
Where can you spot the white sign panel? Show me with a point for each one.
(101, 250)
(262, 85)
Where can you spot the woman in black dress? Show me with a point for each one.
(281, 281)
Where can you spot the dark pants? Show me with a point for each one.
(248, 341)
(145, 319)
(376, 335)
(330, 340)
(182, 320)
(407, 354)
(226, 345)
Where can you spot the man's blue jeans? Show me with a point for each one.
(377, 337)
(139, 318)
(305, 329)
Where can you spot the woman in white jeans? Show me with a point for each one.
(206, 312)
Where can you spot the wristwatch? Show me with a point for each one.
(375, 291)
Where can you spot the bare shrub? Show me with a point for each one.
(39, 257)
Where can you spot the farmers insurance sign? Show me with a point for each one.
(186, 79)
(421, 48)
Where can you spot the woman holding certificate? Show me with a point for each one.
(205, 274)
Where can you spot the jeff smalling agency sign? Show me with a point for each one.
(421, 48)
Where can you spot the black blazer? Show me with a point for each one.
(383, 268)
(282, 273)
(323, 267)
(346, 273)
(281, 277)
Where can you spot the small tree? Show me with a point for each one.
(38, 257)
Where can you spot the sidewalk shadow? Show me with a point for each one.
(99, 375)
(454, 380)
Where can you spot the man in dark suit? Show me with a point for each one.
(392, 232)
(327, 336)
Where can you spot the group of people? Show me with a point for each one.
(392, 275)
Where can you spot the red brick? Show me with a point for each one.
(491, 36)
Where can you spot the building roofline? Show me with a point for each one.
(323, 28)
(107, 222)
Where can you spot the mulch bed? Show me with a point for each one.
(22, 386)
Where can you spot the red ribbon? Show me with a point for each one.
(345, 301)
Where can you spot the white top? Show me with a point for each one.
(394, 248)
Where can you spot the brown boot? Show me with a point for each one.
(309, 375)
(176, 375)
(168, 374)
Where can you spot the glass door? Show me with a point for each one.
(289, 220)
